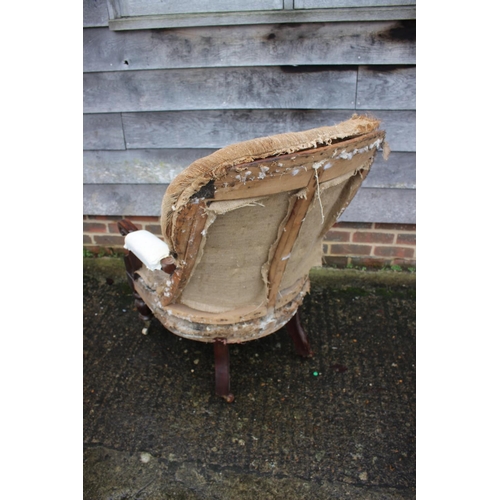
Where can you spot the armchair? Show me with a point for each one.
(242, 229)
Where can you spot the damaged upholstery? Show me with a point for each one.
(245, 226)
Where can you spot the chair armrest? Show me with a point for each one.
(148, 248)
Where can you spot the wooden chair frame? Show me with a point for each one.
(304, 170)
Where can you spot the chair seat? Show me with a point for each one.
(237, 325)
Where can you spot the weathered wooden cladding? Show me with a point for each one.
(219, 88)
(369, 204)
(386, 87)
(123, 199)
(285, 16)
(398, 171)
(138, 166)
(216, 129)
(158, 99)
(103, 131)
(323, 4)
(162, 7)
(382, 205)
(95, 13)
(261, 45)
(251, 88)
(160, 166)
(145, 8)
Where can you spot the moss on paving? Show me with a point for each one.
(103, 268)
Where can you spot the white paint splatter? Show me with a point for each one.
(345, 155)
(319, 164)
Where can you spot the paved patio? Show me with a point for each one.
(338, 425)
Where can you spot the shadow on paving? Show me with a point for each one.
(339, 425)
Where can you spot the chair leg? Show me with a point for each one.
(299, 336)
(143, 309)
(132, 265)
(222, 382)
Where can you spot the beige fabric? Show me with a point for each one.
(221, 207)
(199, 173)
(236, 248)
(329, 202)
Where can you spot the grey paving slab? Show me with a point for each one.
(339, 425)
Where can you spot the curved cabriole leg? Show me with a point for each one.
(299, 336)
(221, 351)
(132, 265)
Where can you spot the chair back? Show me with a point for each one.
(246, 223)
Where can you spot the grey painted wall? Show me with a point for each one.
(157, 99)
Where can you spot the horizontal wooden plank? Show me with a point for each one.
(401, 128)
(359, 14)
(386, 87)
(95, 13)
(369, 205)
(215, 129)
(142, 166)
(398, 171)
(159, 7)
(257, 45)
(325, 4)
(123, 199)
(382, 205)
(103, 132)
(219, 88)
(160, 166)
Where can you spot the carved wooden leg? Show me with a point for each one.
(221, 351)
(299, 336)
(132, 265)
(143, 309)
